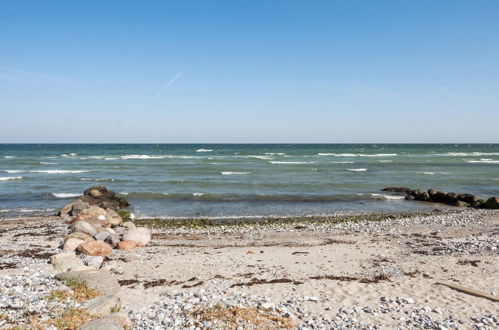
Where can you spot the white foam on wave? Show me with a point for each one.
(484, 161)
(355, 155)
(275, 153)
(59, 171)
(296, 163)
(155, 157)
(385, 160)
(48, 163)
(388, 197)
(92, 179)
(7, 178)
(65, 195)
(234, 173)
(356, 169)
(426, 173)
(14, 171)
(255, 156)
(468, 154)
(9, 157)
(197, 194)
(70, 155)
(343, 162)
(204, 150)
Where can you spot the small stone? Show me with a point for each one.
(96, 248)
(103, 305)
(131, 257)
(72, 243)
(101, 236)
(141, 235)
(113, 239)
(127, 245)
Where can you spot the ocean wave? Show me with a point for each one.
(426, 173)
(255, 156)
(484, 161)
(70, 155)
(48, 163)
(468, 154)
(213, 197)
(156, 157)
(97, 180)
(59, 171)
(355, 155)
(14, 171)
(204, 150)
(385, 160)
(343, 162)
(7, 178)
(296, 163)
(65, 195)
(23, 210)
(356, 169)
(234, 173)
(388, 197)
(275, 153)
(9, 157)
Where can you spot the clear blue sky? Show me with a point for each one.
(249, 71)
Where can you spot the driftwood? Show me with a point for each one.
(470, 291)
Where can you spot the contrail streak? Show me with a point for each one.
(168, 84)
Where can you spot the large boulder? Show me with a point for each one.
(79, 235)
(94, 211)
(96, 248)
(72, 244)
(65, 261)
(492, 203)
(83, 227)
(113, 218)
(141, 235)
(78, 206)
(109, 322)
(100, 280)
(102, 305)
(127, 245)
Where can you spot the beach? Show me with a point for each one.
(360, 272)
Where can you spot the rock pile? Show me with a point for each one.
(98, 223)
(449, 198)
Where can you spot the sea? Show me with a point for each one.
(242, 180)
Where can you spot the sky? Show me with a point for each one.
(249, 71)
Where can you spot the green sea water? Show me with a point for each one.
(223, 180)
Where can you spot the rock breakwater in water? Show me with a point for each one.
(448, 198)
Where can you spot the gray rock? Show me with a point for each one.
(113, 239)
(65, 261)
(78, 206)
(129, 225)
(66, 210)
(103, 305)
(94, 211)
(113, 217)
(83, 227)
(101, 236)
(93, 261)
(110, 321)
(99, 280)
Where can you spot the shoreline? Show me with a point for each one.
(367, 273)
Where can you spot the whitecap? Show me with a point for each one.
(255, 156)
(385, 160)
(204, 150)
(279, 162)
(388, 197)
(275, 153)
(234, 173)
(356, 169)
(9, 157)
(65, 195)
(7, 178)
(48, 163)
(356, 155)
(198, 194)
(111, 158)
(154, 157)
(60, 171)
(14, 171)
(345, 162)
(483, 161)
(426, 173)
(469, 154)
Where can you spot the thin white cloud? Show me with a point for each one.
(168, 84)
(18, 73)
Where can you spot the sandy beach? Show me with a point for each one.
(308, 274)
